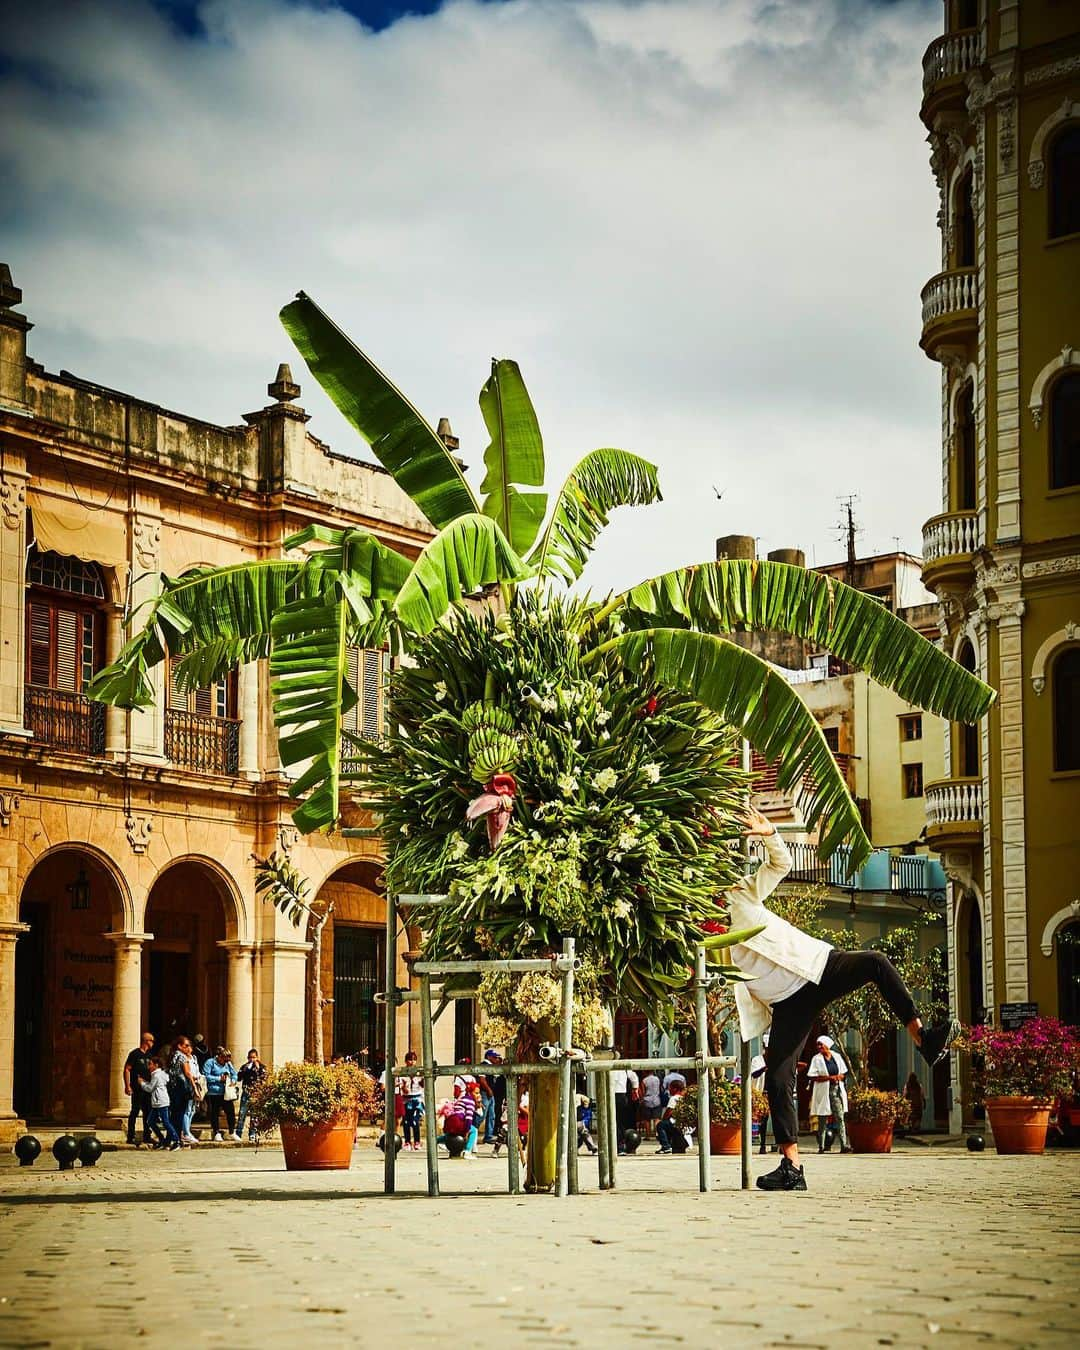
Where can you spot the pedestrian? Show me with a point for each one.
(792, 978)
(495, 1103)
(673, 1079)
(474, 1095)
(221, 1091)
(828, 1096)
(651, 1104)
(757, 1071)
(668, 1134)
(183, 1072)
(155, 1084)
(249, 1075)
(136, 1072)
(913, 1091)
(457, 1117)
(584, 1113)
(410, 1088)
(625, 1083)
(201, 1050)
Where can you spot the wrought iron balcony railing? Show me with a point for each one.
(65, 721)
(202, 744)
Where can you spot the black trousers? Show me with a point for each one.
(793, 1017)
(214, 1105)
(140, 1103)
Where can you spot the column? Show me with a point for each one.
(10, 1125)
(127, 1017)
(282, 1000)
(13, 480)
(239, 1007)
(249, 720)
(115, 718)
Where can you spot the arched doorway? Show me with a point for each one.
(969, 754)
(351, 964)
(185, 970)
(64, 987)
(1067, 942)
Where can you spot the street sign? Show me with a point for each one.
(1014, 1015)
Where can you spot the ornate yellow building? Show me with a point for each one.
(1002, 105)
(126, 839)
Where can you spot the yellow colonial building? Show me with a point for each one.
(1002, 316)
(127, 839)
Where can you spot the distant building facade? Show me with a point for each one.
(126, 839)
(1001, 102)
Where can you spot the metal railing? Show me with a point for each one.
(65, 721)
(950, 292)
(201, 743)
(951, 55)
(806, 866)
(953, 534)
(952, 800)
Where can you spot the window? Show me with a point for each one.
(1067, 943)
(964, 223)
(1065, 431)
(966, 491)
(64, 626)
(1066, 679)
(365, 675)
(913, 780)
(1064, 177)
(832, 739)
(214, 700)
(968, 755)
(967, 14)
(911, 727)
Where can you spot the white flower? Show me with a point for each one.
(460, 849)
(568, 784)
(404, 830)
(688, 874)
(605, 780)
(603, 717)
(617, 625)
(441, 691)
(635, 819)
(549, 704)
(605, 735)
(622, 909)
(651, 772)
(627, 840)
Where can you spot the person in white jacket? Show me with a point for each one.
(828, 1096)
(793, 977)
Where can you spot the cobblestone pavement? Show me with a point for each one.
(931, 1247)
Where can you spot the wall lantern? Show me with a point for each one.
(79, 890)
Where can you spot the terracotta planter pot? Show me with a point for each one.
(725, 1136)
(870, 1136)
(324, 1147)
(1019, 1123)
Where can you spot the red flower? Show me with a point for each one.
(714, 926)
(504, 784)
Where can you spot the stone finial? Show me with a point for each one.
(446, 435)
(284, 389)
(10, 294)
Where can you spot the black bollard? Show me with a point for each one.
(65, 1150)
(89, 1150)
(455, 1145)
(380, 1143)
(27, 1148)
(976, 1143)
(631, 1141)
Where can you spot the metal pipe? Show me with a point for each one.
(414, 901)
(519, 1070)
(747, 1123)
(679, 1062)
(613, 1128)
(389, 1120)
(513, 1156)
(704, 1142)
(552, 965)
(603, 1140)
(566, 1034)
(428, 1053)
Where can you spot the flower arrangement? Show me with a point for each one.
(872, 1106)
(1039, 1059)
(308, 1094)
(725, 1104)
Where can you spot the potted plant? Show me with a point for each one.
(725, 1113)
(872, 1116)
(316, 1107)
(1018, 1074)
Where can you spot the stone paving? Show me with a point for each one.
(218, 1246)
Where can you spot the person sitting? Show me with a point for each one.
(668, 1135)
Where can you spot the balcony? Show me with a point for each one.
(202, 744)
(945, 64)
(954, 813)
(65, 721)
(950, 542)
(950, 313)
(883, 872)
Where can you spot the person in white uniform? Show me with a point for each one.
(828, 1096)
(793, 977)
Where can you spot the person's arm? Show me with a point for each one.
(127, 1078)
(816, 1072)
(756, 888)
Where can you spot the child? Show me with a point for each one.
(411, 1090)
(159, 1121)
(668, 1135)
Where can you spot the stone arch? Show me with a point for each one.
(1064, 637)
(970, 374)
(124, 918)
(1068, 356)
(352, 956)
(238, 927)
(1069, 913)
(1036, 168)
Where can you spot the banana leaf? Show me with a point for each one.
(515, 455)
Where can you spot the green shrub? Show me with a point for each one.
(725, 1104)
(309, 1094)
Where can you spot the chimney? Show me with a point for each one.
(742, 547)
(446, 435)
(13, 330)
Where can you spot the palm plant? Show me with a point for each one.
(457, 718)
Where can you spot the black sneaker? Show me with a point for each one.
(936, 1040)
(787, 1177)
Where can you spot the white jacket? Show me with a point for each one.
(780, 942)
(819, 1092)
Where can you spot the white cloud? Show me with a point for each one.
(701, 226)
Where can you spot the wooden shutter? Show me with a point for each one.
(67, 650)
(39, 663)
(351, 721)
(370, 697)
(178, 698)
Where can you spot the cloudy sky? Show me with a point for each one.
(701, 227)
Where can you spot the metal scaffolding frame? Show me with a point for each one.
(565, 1063)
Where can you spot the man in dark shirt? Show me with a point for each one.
(136, 1068)
(495, 1099)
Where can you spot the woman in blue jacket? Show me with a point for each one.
(221, 1091)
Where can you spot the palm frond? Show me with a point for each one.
(400, 438)
(599, 482)
(515, 455)
(751, 696)
(733, 595)
(277, 880)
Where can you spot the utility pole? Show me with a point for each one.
(847, 527)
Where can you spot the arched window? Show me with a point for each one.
(969, 759)
(967, 13)
(1065, 431)
(1065, 676)
(964, 222)
(966, 489)
(1067, 942)
(1063, 162)
(64, 621)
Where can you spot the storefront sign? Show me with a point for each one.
(86, 990)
